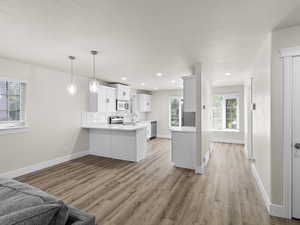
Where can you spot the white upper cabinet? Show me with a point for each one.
(144, 102)
(104, 100)
(123, 92)
(189, 94)
(110, 99)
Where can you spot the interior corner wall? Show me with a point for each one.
(284, 38)
(261, 72)
(206, 114)
(53, 116)
(160, 110)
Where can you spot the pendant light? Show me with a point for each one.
(72, 88)
(93, 85)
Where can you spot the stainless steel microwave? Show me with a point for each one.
(122, 105)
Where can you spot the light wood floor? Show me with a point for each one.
(153, 192)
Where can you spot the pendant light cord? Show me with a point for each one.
(94, 53)
(94, 67)
(71, 68)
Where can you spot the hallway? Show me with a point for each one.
(153, 192)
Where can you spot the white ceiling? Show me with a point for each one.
(139, 38)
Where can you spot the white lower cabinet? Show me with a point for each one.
(118, 144)
(184, 147)
(148, 128)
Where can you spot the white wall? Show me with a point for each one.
(160, 110)
(53, 117)
(228, 136)
(261, 72)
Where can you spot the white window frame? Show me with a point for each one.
(226, 97)
(180, 110)
(15, 126)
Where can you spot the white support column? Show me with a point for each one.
(199, 156)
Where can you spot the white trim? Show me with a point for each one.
(273, 209)
(13, 130)
(261, 187)
(42, 165)
(9, 79)
(199, 152)
(228, 140)
(199, 170)
(289, 52)
(278, 210)
(287, 55)
(163, 136)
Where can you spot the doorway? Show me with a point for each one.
(291, 132)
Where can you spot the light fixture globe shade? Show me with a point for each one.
(72, 89)
(93, 85)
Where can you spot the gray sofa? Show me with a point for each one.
(22, 204)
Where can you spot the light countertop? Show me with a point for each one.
(121, 127)
(183, 129)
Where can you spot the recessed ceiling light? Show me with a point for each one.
(173, 81)
(123, 78)
(155, 88)
(159, 74)
(227, 74)
(143, 84)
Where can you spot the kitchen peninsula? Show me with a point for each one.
(124, 142)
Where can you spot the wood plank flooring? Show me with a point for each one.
(153, 192)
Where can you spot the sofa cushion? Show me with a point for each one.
(23, 204)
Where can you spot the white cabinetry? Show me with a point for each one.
(144, 102)
(189, 94)
(123, 92)
(184, 147)
(104, 100)
(110, 99)
(148, 128)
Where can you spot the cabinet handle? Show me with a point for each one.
(124, 93)
(107, 100)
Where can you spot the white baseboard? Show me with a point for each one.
(164, 136)
(199, 170)
(261, 187)
(228, 140)
(279, 211)
(42, 165)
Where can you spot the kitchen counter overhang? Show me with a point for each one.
(124, 142)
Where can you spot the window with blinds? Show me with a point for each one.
(225, 112)
(12, 102)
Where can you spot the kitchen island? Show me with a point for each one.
(124, 142)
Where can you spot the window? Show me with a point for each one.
(175, 111)
(225, 112)
(12, 102)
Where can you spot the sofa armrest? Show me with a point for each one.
(78, 217)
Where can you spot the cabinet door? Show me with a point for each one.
(148, 103)
(123, 92)
(111, 99)
(102, 107)
(144, 103)
(189, 94)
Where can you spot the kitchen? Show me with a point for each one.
(121, 120)
(116, 122)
